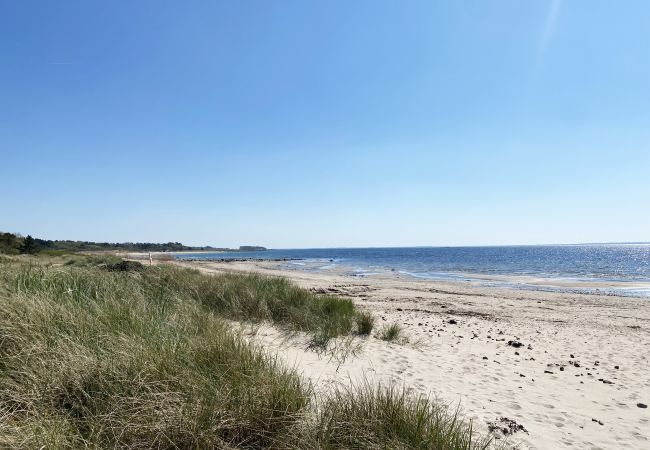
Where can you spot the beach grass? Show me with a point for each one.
(392, 332)
(257, 298)
(369, 417)
(97, 358)
(365, 323)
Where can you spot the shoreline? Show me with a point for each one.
(576, 285)
(583, 361)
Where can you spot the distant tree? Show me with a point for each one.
(29, 245)
(9, 244)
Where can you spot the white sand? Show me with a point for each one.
(470, 363)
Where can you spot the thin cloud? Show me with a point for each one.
(548, 32)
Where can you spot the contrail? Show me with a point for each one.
(549, 30)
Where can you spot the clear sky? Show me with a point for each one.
(331, 123)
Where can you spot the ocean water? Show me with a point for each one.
(607, 268)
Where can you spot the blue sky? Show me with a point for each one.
(338, 123)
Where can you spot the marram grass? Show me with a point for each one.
(94, 358)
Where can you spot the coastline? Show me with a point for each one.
(575, 381)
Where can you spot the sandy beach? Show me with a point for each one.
(571, 369)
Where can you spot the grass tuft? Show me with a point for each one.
(392, 332)
(365, 323)
(369, 417)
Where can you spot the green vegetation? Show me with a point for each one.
(388, 418)
(10, 244)
(13, 244)
(103, 355)
(258, 298)
(392, 332)
(365, 323)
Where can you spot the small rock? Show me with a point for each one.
(452, 322)
(572, 356)
(515, 344)
(548, 371)
(485, 357)
(642, 405)
(561, 368)
(615, 367)
(517, 353)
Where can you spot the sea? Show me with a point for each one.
(608, 269)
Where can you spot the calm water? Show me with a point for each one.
(622, 265)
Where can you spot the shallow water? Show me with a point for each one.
(622, 269)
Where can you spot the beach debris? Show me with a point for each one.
(616, 367)
(505, 426)
(571, 355)
(574, 363)
(597, 421)
(515, 344)
(548, 371)
(452, 322)
(642, 405)
(605, 381)
(485, 357)
(530, 347)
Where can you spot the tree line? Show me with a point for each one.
(14, 244)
